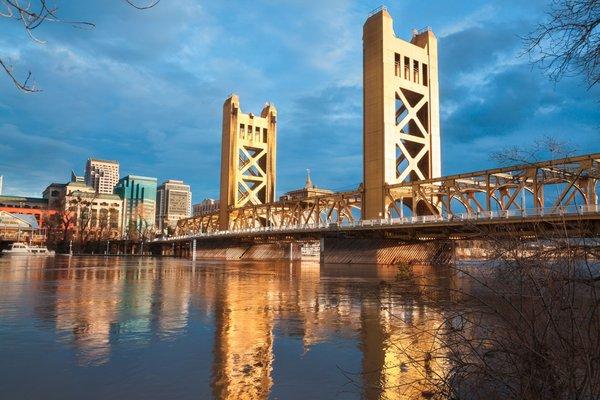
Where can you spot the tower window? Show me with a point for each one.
(397, 65)
(416, 71)
(406, 68)
(425, 77)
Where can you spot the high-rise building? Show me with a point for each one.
(139, 204)
(102, 175)
(1, 181)
(174, 202)
(76, 178)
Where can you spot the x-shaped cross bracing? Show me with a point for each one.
(250, 162)
(402, 137)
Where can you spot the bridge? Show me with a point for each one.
(403, 197)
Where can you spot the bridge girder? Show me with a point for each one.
(549, 184)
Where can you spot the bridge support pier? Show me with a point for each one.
(331, 250)
(383, 251)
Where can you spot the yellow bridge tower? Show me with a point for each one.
(247, 158)
(401, 132)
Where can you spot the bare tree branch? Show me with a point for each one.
(568, 42)
(21, 85)
(142, 7)
(547, 147)
(32, 14)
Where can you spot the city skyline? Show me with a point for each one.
(162, 104)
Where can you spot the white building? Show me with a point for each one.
(97, 214)
(173, 202)
(206, 206)
(102, 175)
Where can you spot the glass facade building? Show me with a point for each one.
(139, 204)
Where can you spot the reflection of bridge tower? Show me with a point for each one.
(243, 352)
(401, 130)
(402, 356)
(247, 158)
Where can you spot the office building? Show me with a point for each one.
(174, 202)
(102, 175)
(77, 178)
(139, 204)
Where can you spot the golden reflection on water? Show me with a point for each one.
(93, 303)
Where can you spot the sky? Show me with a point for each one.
(146, 88)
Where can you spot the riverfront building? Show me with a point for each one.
(309, 190)
(139, 204)
(19, 227)
(85, 211)
(174, 202)
(102, 175)
(32, 206)
(206, 206)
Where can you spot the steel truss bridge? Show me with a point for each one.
(541, 192)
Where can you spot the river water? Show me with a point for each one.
(149, 328)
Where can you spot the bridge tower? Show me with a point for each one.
(401, 132)
(247, 158)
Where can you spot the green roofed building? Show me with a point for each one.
(139, 205)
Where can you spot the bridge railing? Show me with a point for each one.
(571, 210)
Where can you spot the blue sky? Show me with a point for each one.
(147, 87)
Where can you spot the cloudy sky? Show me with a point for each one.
(147, 87)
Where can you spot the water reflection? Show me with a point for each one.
(373, 330)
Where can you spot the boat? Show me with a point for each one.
(24, 249)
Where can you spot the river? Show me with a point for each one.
(152, 328)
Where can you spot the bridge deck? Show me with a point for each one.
(418, 227)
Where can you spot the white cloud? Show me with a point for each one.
(475, 19)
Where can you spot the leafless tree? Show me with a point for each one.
(520, 319)
(139, 228)
(568, 42)
(31, 15)
(547, 147)
(60, 224)
(526, 322)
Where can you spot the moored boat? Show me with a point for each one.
(24, 249)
